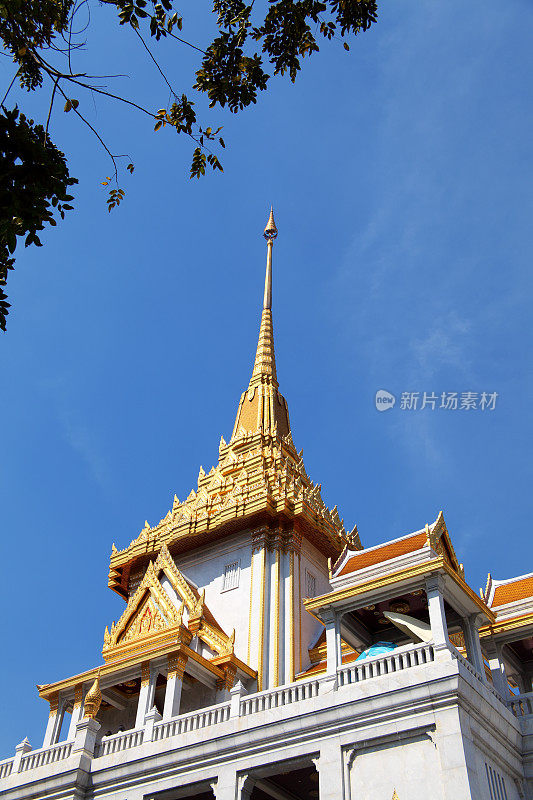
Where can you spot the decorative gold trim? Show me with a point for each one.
(54, 704)
(177, 662)
(78, 696)
(276, 588)
(260, 660)
(504, 625)
(145, 673)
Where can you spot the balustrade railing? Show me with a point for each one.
(120, 741)
(521, 705)
(41, 757)
(193, 721)
(275, 698)
(5, 767)
(395, 661)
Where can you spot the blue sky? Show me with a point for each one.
(400, 175)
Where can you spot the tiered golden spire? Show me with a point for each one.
(265, 359)
(258, 471)
(262, 408)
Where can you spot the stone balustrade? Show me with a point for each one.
(120, 741)
(395, 661)
(281, 696)
(43, 756)
(193, 721)
(398, 660)
(5, 767)
(521, 705)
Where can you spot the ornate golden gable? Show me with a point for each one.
(151, 618)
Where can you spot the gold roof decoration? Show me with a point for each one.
(152, 618)
(93, 699)
(259, 473)
(439, 540)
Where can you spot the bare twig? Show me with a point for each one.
(50, 109)
(9, 89)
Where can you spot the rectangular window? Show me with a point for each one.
(231, 576)
(310, 584)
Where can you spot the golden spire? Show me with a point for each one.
(265, 359)
(266, 409)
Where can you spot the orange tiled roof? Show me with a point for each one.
(509, 592)
(366, 559)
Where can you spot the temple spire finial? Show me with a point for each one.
(270, 234)
(264, 409)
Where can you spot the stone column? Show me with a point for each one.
(472, 644)
(146, 695)
(225, 786)
(493, 651)
(331, 618)
(55, 719)
(437, 615)
(330, 771)
(176, 670)
(77, 711)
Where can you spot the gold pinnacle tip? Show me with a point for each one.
(270, 231)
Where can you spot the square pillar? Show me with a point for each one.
(146, 695)
(237, 692)
(55, 719)
(493, 651)
(151, 718)
(330, 771)
(330, 617)
(226, 785)
(85, 739)
(437, 614)
(176, 669)
(77, 711)
(472, 643)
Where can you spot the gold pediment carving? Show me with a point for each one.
(151, 612)
(147, 620)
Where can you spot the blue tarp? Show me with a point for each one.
(377, 649)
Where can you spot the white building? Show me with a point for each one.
(264, 654)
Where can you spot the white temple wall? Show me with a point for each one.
(205, 567)
(410, 768)
(312, 562)
(493, 758)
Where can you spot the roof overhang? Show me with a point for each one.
(118, 670)
(456, 591)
